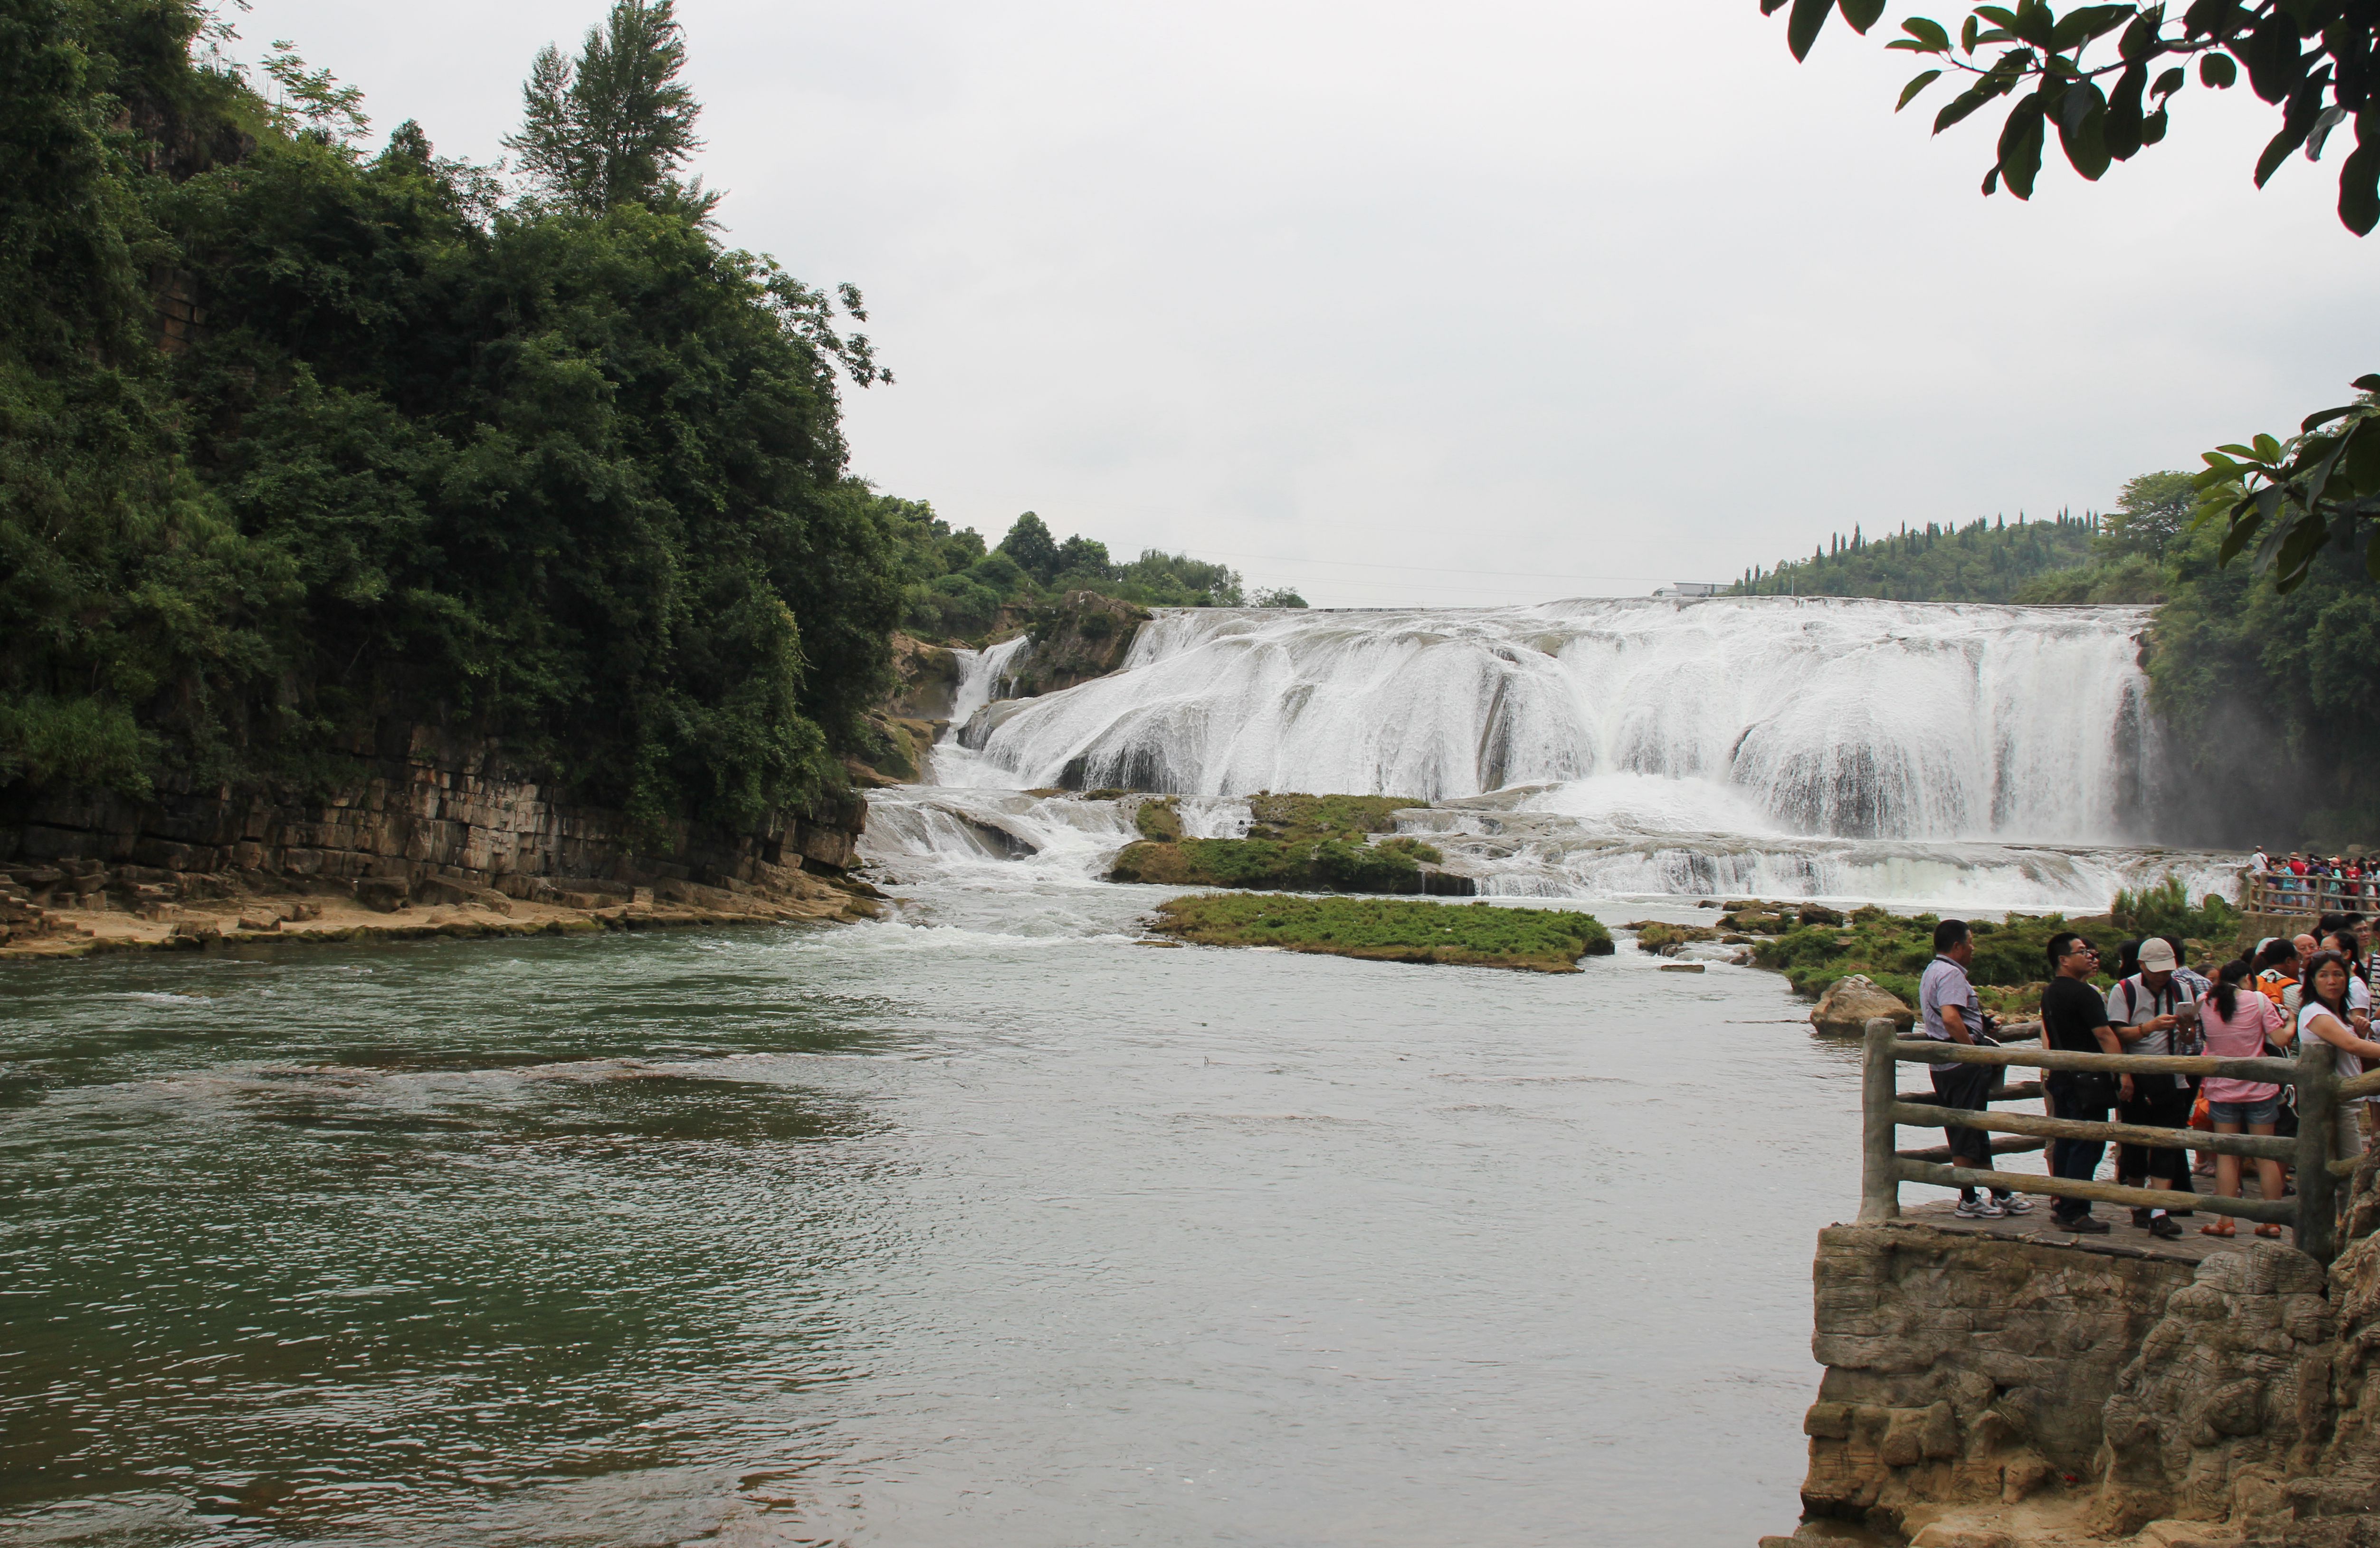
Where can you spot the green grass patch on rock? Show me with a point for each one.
(1477, 934)
(1294, 844)
(2010, 968)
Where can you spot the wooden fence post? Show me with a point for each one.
(2317, 1233)
(1879, 1136)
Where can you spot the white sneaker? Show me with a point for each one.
(2012, 1203)
(1978, 1209)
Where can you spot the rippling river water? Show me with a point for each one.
(983, 1227)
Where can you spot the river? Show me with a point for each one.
(983, 1225)
(989, 1223)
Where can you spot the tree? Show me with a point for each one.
(2318, 61)
(2152, 510)
(613, 125)
(1030, 544)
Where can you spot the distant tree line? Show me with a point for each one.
(954, 589)
(1986, 560)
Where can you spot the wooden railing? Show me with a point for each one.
(2280, 893)
(2313, 1151)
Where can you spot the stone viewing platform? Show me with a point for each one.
(2003, 1383)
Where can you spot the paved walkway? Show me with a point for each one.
(2124, 1240)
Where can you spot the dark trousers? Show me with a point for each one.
(1967, 1086)
(2164, 1102)
(2077, 1159)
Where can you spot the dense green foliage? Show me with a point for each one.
(569, 474)
(954, 589)
(2166, 909)
(1479, 934)
(1983, 561)
(1295, 843)
(2012, 961)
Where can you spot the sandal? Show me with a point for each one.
(2220, 1229)
(2268, 1229)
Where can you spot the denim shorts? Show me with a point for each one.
(2244, 1113)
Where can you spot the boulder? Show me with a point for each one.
(384, 895)
(1846, 1008)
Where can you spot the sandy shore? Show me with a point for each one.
(200, 925)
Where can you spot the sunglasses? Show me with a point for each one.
(2083, 951)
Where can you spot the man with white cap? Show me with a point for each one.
(2145, 1009)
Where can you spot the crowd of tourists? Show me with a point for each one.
(2314, 985)
(2315, 878)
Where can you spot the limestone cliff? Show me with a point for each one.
(1082, 635)
(1984, 1391)
(422, 817)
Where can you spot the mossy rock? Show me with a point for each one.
(1479, 934)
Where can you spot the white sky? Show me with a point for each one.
(1403, 304)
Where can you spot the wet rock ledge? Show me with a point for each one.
(431, 836)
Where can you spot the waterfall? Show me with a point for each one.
(1817, 716)
(1967, 757)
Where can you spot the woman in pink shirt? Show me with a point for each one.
(2236, 1023)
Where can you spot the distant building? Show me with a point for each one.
(1688, 589)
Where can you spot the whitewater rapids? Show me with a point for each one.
(1971, 756)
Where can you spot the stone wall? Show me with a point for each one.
(425, 814)
(1984, 1390)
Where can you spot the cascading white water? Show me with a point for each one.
(1853, 718)
(1984, 757)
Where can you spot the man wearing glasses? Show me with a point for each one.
(2074, 1020)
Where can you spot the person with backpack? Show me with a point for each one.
(2146, 1010)
(2074, 1020)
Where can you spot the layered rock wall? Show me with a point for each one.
(424, 815)
(1983, 1390)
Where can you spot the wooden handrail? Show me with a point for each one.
(2360, 1086)
(2263, 1147)
(2281, 893)
(1999, 1147)
(2281, 1071)
(1883, 1109)
(2023, 1090)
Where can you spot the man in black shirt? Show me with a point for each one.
(2074, 1020)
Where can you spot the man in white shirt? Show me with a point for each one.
(2145, 1009)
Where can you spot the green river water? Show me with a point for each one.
(985, 1226)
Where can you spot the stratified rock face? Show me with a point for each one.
(1965, 1368)
(1084, 635)
(925, 678)
(2230, 1392)
(421, 809)
(1844, 1009)
(1982, 1388)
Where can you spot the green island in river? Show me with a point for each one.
(1384, 929)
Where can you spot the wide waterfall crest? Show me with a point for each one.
(1836, 716)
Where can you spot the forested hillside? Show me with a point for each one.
(2270, 701)
(1983, 561)
(297, 437)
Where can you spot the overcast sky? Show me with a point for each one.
(1401, 303)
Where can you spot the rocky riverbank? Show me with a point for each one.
(429, 835)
